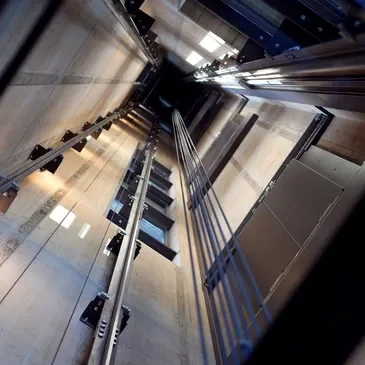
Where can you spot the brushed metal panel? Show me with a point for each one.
(268, 248)
(329, 165)
(300, 197)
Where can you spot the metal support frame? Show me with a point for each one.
(329, 74)
(273, 43)
(51, 166)
(307, 19)
(108, 327)
(31, 166)
(117, 7)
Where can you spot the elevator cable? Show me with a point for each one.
(232, 321)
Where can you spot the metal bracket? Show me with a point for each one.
(116, 243)
(106, 126)
(143, 22)
(51, 166)
(91, 315)
(79, 146)
(95, 134)
(133, 5)
(126, 315)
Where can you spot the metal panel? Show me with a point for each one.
(268, 247)
(310, 21)
(299, 199)
(247, 27)
(329, 165)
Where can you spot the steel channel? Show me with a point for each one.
(31, 166)
(126, 22)
(234, 239)
(226, 247)
(310, 60)
(102, 349)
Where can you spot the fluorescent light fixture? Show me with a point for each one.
(61, 214)
(88, 138)
(235, 51)
(194, 58)
(84, 230)
(211, 42)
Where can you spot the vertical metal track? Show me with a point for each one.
(210, 223)
(107, 330)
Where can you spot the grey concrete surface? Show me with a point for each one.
(82, 67)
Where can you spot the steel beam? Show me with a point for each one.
(246, 26)
(108, 326)
(119, 10)
(31, 166)
(307, 19)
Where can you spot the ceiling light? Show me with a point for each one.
(235, 51)
(88, 138)
(194, 58)
(211, 42)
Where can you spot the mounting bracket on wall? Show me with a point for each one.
(95, 134)
(51, 166)
(7, 197)
(143, 22)
(79, 146)
(106, 126)
(116, 243)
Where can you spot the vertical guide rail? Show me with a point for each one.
(107, 330)
(231, 319)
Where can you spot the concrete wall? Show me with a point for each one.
(82, 67)
(260, 154)
(48, 274)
